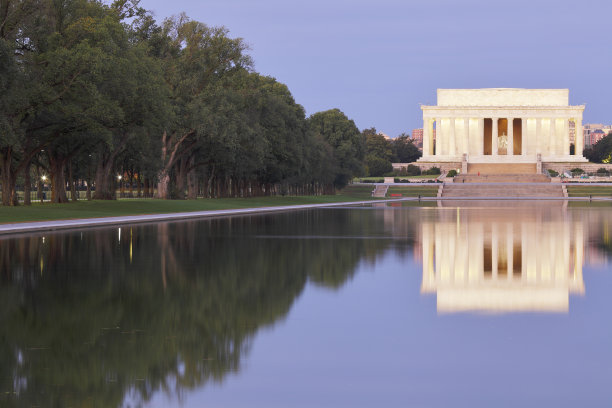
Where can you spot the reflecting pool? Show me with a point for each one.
(485, 304)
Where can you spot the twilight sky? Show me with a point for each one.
(378, 60)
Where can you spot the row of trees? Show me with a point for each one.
(90, 91)
(382, 151)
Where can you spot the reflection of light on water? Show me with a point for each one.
(509, 263)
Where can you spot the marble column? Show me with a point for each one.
(553, 137)
(481, 133)
(439, 138)
(524, 136)
(427, 137)
(538, 136)
(565, 137)
(452, 145)
(494, 136)
(579, 139)
(510, 149)
(466, 136)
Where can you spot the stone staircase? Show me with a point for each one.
(503, 190)
(502, 168)
(380, 190)
(501, 178)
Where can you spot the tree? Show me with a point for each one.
(347, 143)
(404, 150)
(195, 58)
(600, 152)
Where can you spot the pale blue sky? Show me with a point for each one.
(377, 60)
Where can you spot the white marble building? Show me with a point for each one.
(502, 125)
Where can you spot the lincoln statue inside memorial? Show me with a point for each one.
(502, 126)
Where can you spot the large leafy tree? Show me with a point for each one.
(347, 143)
(196, 58)
(404, 150)
(379, 154)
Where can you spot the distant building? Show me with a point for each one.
(594, 132)
(417, 137)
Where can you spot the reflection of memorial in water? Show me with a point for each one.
(502, 260)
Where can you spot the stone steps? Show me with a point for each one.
(502, 168)
(502, 190)
(380, 191)
(501, 178)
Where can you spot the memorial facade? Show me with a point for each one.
(502, 125)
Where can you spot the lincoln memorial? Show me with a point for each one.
(502, 125)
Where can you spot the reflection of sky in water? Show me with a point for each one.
(268, 311)
(377, 343)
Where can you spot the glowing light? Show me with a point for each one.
(44, 178)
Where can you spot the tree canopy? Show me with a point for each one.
(103, 94)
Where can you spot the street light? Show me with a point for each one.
(119, 177)
(44, 178)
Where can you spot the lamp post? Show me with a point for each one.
(43, 196)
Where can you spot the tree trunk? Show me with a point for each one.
(163, 184)
(192, 183)
(9, 197)
(103, 181)
(58, 180)
(27, 185)
(73, 191)
(181, 178)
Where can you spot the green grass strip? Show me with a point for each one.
(98, 208)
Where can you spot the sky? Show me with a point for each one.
(377, 61)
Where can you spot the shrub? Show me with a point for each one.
(412, 170)
(602, 171)
(451, 173)
(577, 171)
(378, 166)
(433, 171)
(552, 173)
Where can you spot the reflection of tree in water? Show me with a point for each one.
(88, 319)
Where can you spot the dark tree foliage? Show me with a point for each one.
(346, 141)
(600, 152)
(404, 150)
(100, 94)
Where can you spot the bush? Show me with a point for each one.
(602, 171)
(552, 173)
(434, 171)
(378, 166)
(451, 173)
(577, 171)
(413, 170)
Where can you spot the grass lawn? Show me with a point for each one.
(358, 191)
(380, 179)
(585, 191)
(422, 190)
(98, 208)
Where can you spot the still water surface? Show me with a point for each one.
(360, 307)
